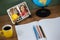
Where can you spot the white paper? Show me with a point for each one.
(25, 32)
(51, 28)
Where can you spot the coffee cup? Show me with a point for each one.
(7, 31)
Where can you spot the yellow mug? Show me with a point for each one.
(7, 31)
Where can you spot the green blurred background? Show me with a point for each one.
(5, 4)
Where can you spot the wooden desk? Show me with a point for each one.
(55, 12)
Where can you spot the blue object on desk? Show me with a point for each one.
(36, 33)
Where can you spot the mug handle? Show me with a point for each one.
(1, 33)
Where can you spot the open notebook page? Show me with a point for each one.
(51, 28)
(25, 31)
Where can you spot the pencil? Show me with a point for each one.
(42, 31)
(39, 31)
(36, 33)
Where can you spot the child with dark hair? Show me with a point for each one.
(23, 10)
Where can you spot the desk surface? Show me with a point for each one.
(55, 12)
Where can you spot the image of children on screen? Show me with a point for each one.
(14, 14)
(23, 10)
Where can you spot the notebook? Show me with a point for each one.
(49, 26)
